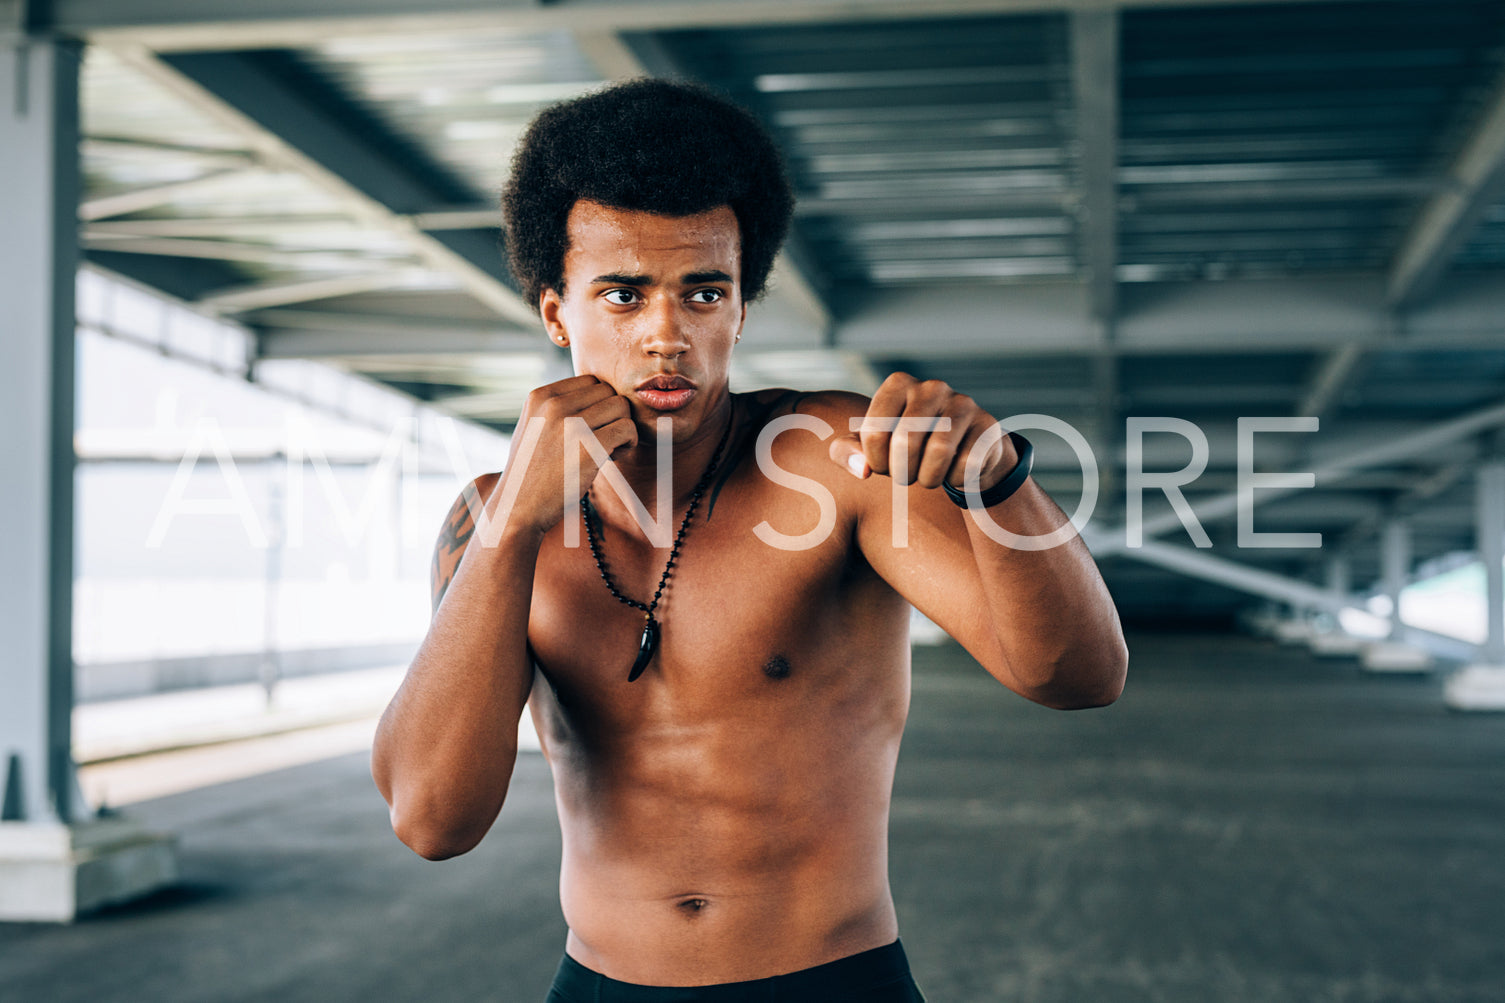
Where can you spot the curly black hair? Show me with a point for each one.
(648, 145)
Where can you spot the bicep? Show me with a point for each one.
(925, 554)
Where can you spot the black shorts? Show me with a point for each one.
(877, 976)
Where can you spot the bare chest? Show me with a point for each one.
(741, 625)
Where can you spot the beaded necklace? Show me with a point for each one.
(648, 643)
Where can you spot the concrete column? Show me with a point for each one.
(38, 261)
(1339, 578)
(1481, 686)
(1395, 567)
(56, 859)
(1336, 641)
(1490, 531)
(1394, 654)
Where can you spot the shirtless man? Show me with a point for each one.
(724, 815)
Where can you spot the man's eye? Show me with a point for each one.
(706, 295)
(621, 297)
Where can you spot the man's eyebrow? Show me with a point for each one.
(690, 279)
(715, 275)
(619, 279)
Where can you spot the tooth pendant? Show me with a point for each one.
(646, 647)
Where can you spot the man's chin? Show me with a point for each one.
(684, 423)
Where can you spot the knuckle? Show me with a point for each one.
(961, 404)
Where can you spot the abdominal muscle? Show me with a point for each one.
(725, 852)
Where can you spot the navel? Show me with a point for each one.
(692, 906)
(777, 667)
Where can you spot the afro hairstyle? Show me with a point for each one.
(646, 145)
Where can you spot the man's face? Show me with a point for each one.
(652, 306)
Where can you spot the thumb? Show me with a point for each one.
(846, 450)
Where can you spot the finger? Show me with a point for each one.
(846, 450)
(927, 410)
(566, 397)
(943, 446)
(991, 467)
(618, 434)
(907, 449)
(570, 384)
(888, 402)
(604, 412)
(579, 399)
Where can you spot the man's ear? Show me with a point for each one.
(741, 323)
(551, 309)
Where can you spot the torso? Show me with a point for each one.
(725, 815)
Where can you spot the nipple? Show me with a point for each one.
(777, 667)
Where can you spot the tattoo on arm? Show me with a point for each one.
(458, 527)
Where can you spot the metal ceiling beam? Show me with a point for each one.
(1209, 567)
(226, 250)
(1332, 472)
(261, 295)
(288, 132)
(137, 199)
(1203, 566)
(1477, 179)
(224, 227)
(143, 150)
(208, 25)
(1195, 318)
(1416, 494)
(383, 337)
(1332, 377)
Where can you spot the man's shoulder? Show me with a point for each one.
(781, 420)
(483, 484)
(832, 406)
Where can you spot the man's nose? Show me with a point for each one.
(666, 336)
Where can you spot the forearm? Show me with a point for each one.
(1057, 631)
(445, 747)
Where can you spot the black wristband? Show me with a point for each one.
(1004, 488)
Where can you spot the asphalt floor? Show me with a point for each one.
(1247, 823)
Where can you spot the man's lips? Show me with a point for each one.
(666, 393)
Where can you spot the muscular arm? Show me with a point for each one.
(445, 747)
(447, 743)
(1041, 622)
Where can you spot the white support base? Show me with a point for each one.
(1396, 656)
(1337, 644)
(53, 873)
(1476, 687)
(1294, 632)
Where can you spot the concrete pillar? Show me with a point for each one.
(1335, 641)
(56, 858)
(1490, 532)
(1395, 567)
(1481, 686)
(38, 249)
(1339, 577)
(1394, 654)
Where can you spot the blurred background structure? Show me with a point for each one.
(257, 329)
